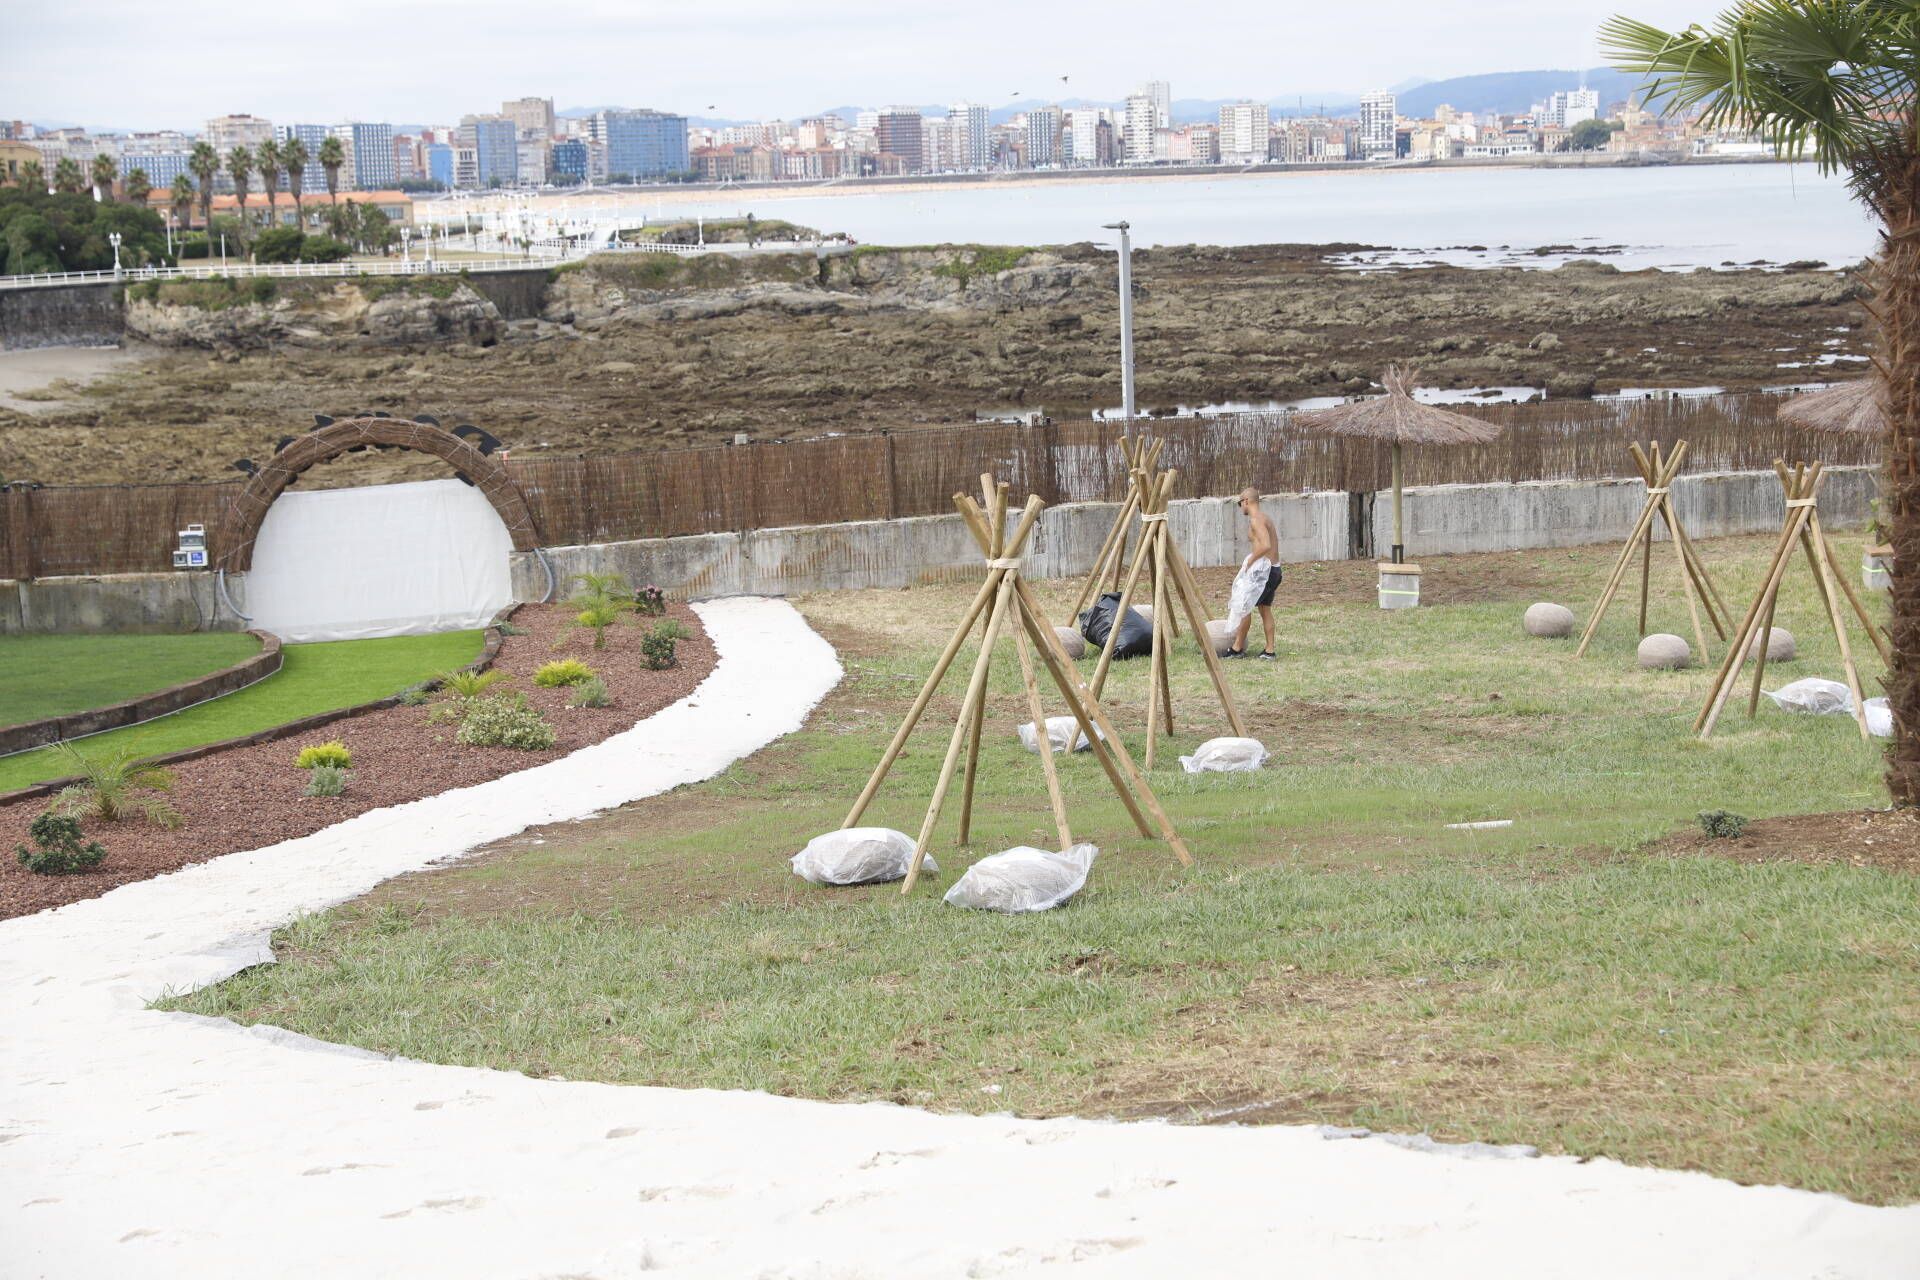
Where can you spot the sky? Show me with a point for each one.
(113, 63)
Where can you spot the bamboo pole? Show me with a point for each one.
(1801, 481)
(1190, 598)
(1875, 632)
(1823, 573)
(1158, 698)
(1045, 743)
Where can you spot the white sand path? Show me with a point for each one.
(135, 1143)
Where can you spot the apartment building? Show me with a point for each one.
(530, 116)
(161, 156)
(899, 133)
(313, 179)
(1378, 111)
(369, 150)
(1142, 124)
(224, 133)
(644, 144)
(1244, 129)
(972, 138)
(495, 140)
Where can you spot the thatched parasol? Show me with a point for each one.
(1851, 408)
(1398, 419)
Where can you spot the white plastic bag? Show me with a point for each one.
(1060, 730)
(1023, 879)
(858, 855)
(1813, 696)
(1248, 586)
(1225, 755)
(1879, 717)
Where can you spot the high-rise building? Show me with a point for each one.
(224, 133)
(1088, 137)
(1243, 132)
(898, 132)
(440, 163)
(530, 116)
(972, 137)
(1143, 123)
(1377, 114)
(1045, 143)
(533, 160)
(644, 144)
(496, 149)
(371, 162)
(313, 179)
(161, 156)
(1565, 109)
(570, 162)
(1162, 102)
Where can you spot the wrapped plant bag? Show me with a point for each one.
(1225, 755)
(1814, 696)
(1060, 731)
(858, 855)
(1136, 633)
(1023, 879)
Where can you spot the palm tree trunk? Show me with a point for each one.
(1897, 305)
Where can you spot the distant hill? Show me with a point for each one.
(1507, 92)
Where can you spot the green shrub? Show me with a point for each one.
(113, 786)
(591, 692)
(657, 646)
(1722, 825)
(415, 697)
(504, 721)
(333, 753)
(326, 780)
(672, 628)
(278, 245)
(508, 629)
(60, 852)
(323, 249)
(469, 684)
(562, 672)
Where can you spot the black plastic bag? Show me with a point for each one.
(1136, 633)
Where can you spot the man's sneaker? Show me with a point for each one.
(1234, 653)
(1267, 656)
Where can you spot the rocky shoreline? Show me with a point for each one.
(654, 351)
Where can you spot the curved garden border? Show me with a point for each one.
(148, 706)
(488, 652)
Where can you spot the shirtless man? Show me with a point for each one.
(1265, 543)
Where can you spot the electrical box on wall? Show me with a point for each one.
(192, 551)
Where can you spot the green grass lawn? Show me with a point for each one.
(43, 676)
(1337, 955)
(312, 678)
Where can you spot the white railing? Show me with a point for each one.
(240, 270)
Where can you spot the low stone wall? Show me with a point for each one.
(118, 603)
(1444, 519)
(80, 315)
(148, 706)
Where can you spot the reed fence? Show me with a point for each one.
(887, 475)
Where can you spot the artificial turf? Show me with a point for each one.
(43, 676)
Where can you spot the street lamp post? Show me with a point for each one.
(1126, 327)
(406, 240)
(113, 238)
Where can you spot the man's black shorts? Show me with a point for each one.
(1273, 581)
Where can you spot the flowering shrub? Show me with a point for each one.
(650, 600)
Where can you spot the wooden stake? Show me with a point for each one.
(1044, 742)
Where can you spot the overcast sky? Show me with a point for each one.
(118, 63)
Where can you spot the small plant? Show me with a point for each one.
(113, 786)
(469, 684)
(1722, 825)
(508, 629)
(327, 780)
(591, 692)
(672, 628)
(562, 672)
(504, 721)
(598, 586)
(657, 646)
(416, 697)
(324, 754)
(60, 852)
(597, 615)
(650, 600)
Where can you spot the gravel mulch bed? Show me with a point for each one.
(249, 797)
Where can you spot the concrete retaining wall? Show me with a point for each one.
(519, 295)
(1441, 520)
(81, 315)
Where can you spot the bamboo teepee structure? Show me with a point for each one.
(1141, 454)
(1802, 525)
(1005, 603)
(1658, 471)
(1158, 556)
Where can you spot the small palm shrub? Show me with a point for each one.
(326, 781)
(600, 586)
(504, 721)
(332, 755)
(591, 692)
(469, 684)
(1722, 825)
(596, 615)
(650, 600)
(562, 672)
(58, 851)
(113, 787)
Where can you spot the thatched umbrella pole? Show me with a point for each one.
(1399, 419)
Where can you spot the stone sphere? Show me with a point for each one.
(1780, 646)
(1072, 641)
(1551, 621)
(1661, 651)
(1221, 634)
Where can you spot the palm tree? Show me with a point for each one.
(293, 156)
(267, 160)
(136, 187)
(112, 787)
(180, 198)
(103, 174)
(67, 177)
(1833, 79)
(332, 157)
(239, 167)
(205, 165)
(33, 177)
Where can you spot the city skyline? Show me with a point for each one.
(612, 55)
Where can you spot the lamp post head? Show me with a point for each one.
(1115, 226)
